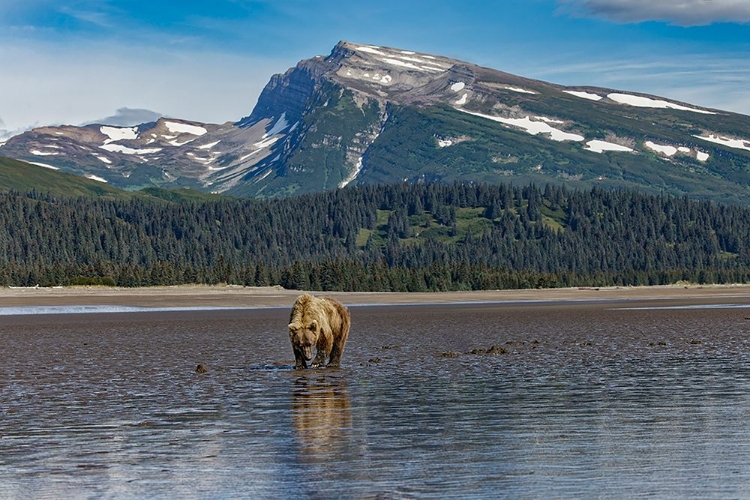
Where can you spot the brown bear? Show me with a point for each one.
(322, 322)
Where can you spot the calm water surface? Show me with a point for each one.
(608, 399)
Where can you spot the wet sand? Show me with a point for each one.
(238, 296)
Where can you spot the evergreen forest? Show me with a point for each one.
(396, 237)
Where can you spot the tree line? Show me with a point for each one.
(399, 237)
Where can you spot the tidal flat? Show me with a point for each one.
(559, 396)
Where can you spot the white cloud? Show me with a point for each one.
(679, 12)
(6, 134)
(128, 117)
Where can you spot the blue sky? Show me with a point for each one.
(75, 61)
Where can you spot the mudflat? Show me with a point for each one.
(238, 296)
(614, 393)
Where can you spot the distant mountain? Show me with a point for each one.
(368, 114)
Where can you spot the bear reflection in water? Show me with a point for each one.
(322, 417)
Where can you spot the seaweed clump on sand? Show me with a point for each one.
(493, 351)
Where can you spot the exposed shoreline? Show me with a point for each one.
(238, 296)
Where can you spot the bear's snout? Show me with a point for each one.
(307, 352)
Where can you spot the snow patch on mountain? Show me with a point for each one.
(463, 100)
(45, 165)
(548, 120)
(209, 145)
(119, 148)
(177, 144)
(370, 50)
(184, 128)
(353, 175)
(409, 65)
(532, 127)
(584, 95)
(598, 146)
(278, 127)
(248, 155)
(726, 141)
(102, 159)
(37, 152)
(666, 150)
(95, 178)
(458, 86)
(403, 59)
(266, 142)
(119, 134)
(200, 159)
(520, 90)
(647, 102)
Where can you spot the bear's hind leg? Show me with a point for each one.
(338, 347)
(336, 352)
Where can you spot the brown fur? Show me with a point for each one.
(320, 322)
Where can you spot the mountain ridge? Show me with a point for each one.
(373, 114)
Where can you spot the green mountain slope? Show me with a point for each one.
(24, 177)
(485, 151)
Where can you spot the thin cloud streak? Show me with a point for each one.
(704, 80)
(678, 12)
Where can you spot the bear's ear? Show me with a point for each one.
(314, 325)
(294, 326)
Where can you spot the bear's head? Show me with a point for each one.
(304, 337)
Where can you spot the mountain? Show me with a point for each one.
(165, 153)
(367, 114)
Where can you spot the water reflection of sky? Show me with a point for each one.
(34, 310)
(691, 306)
(105, 309)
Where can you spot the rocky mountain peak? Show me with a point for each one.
(402, 75)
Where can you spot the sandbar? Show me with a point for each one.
(263, 297)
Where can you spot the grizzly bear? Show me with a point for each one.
(322, 322)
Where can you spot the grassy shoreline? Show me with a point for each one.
(238, 296)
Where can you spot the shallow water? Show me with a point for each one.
(606, 399)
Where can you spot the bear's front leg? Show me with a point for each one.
(320, 360)
(324, 349)
(299, 358)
